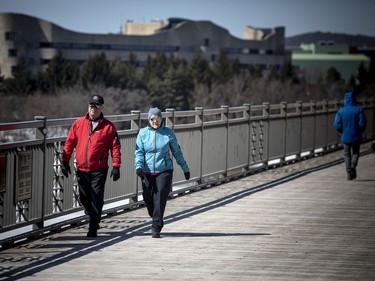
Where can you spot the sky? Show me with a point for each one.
(297, 16)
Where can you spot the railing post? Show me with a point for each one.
(325, 109)
(199, 119)
(225, 117)
(266, 115)
(313, 109)
(170, 121)
(300, 113)
(136, 125)
(42, 133)
(284, 108)
(247, 114)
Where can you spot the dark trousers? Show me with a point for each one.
(155, 194)
(351, 155)
(91, 193)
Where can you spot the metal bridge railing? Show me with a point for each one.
(219, 144)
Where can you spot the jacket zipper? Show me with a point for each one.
(87, 147)
(155, 153)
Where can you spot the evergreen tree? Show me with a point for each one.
(22, 82)
(59, 73)
(234, 67)
(171, 88)
(156, 91)
(155, 68)
(273, 73)
(132, 73)
(358, 82)
(371, 73)
(153, 78)
(95, 71)
(147, 71)
(177, 87)
(333, 75)
(224, 68)
(160, 65)
(199, 69)
(287, 72)
(2, 86)
(117, 77)
(221, 68)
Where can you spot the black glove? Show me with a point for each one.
(139, 172)
(187, 175)
(65, 168)
(115, 173)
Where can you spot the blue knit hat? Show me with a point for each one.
(154, 111)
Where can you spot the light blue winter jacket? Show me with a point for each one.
(152, 152)
(350, 120)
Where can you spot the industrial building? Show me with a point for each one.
(38, 41)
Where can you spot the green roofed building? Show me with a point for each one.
(312, 61)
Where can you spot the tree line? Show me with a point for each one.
(62, 88)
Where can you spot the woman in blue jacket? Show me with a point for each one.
(350, 122)
(154, 165)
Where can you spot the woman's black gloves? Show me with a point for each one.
(139, 172)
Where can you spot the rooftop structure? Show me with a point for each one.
(142, 28)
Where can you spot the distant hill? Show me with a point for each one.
(338, 38)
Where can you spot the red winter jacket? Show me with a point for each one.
(92, 148)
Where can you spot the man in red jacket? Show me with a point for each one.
(93, 137)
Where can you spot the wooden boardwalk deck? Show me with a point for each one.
(296, 222)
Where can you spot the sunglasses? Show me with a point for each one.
(98, 106)
(155, 119)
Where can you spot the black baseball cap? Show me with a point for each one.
(97, 99)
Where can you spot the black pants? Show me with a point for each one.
(155, 194)
(91, 193)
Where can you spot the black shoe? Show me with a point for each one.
(92, 233)
(155, 232)
(354, 173)
(93, 230)
(349, 175)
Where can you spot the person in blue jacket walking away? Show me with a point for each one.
(154, 165)
(350, 122)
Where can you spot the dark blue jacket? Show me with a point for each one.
(350, 120)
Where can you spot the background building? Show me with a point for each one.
(38, 41)
(312, 61)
